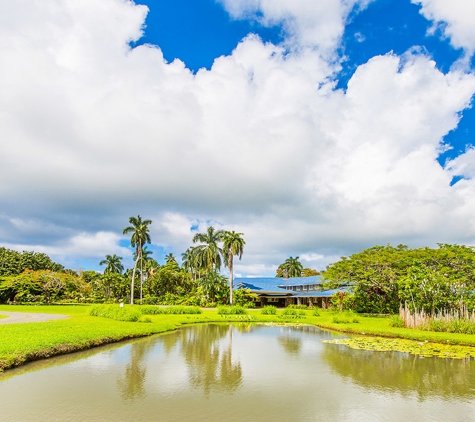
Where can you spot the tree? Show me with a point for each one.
(140, 236)
(233, 245)
(113, 264)
(144, 260)
(207, 256)
(291, 267)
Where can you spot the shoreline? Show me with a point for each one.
(80, 332)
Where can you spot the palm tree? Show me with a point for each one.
(170, 258)
(208, 254)
(291, 267)
(233, 245)
(114, 264)
(140, 236)
(144, 259)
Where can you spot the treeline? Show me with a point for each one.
(14, 263)
(429, 279)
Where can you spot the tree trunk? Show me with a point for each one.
(132, 284)
(231, 280)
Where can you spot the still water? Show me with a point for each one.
(239, 373)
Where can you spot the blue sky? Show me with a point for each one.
(197, 32)
(338, 125)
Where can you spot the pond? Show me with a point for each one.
(241, 372)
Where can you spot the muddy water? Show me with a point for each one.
(239, 373)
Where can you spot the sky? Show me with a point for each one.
(316, 129)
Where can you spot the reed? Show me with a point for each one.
(450, 321)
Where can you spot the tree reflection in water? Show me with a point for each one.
(132, 385)
(402, 372)
(210, 366)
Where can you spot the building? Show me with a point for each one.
(282, 292)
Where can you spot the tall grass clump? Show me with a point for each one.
(297, 307)
(269, 310)
(345, 318)
(290, 313)
(174, 310)
(131, 314)
(231, 310)
(460, 321)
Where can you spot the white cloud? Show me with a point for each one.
(455, 18)
(307, 23)
(262, 143)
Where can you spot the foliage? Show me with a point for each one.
(15, 263)
(385, 276)
(113, 264)
(316, 312)
(116, 312)
(309, 272)
(140, 236)
(44, 286)
(214, 287)
(207, 255)
(231, 310)
(297, 307)
(110, 286)
(291, 267)
(175, 310)
(269, 310)
(343, 301)
(233, 245)
(244, 298)
(168, 279)
(290, 313)
(345, 318)
(396, 321)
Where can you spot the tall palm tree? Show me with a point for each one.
(144, 259)
(208, 254)
(140, 236)
(233, 245)
(114, 264)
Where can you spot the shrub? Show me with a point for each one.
(396, 321)
(231, 310)
(297, 307)
(116, 312)
(269, 310)
(315, 312)
(155, 310)
(289, 313)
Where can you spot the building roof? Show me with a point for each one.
(276, 286)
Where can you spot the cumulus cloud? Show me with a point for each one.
(454, 18)
(262, 143)
(306, 23)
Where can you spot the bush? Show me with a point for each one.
(175, 310)
(289, 313)
(131, 314)
(315, 312)
(345, 318)
(396, 321)
(269, 310)
(297, 307)
(231, 310)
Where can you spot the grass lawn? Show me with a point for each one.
(31, 341)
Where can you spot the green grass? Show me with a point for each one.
(31, 341)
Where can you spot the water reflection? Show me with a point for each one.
(210, 366)
(402, 372)
(220, 372)
(132, 385)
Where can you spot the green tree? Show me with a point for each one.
(113, 264)
(291, 267)
(208, 254)
(233, 245)
(140, 236)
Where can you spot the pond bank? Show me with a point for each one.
(23, 343)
